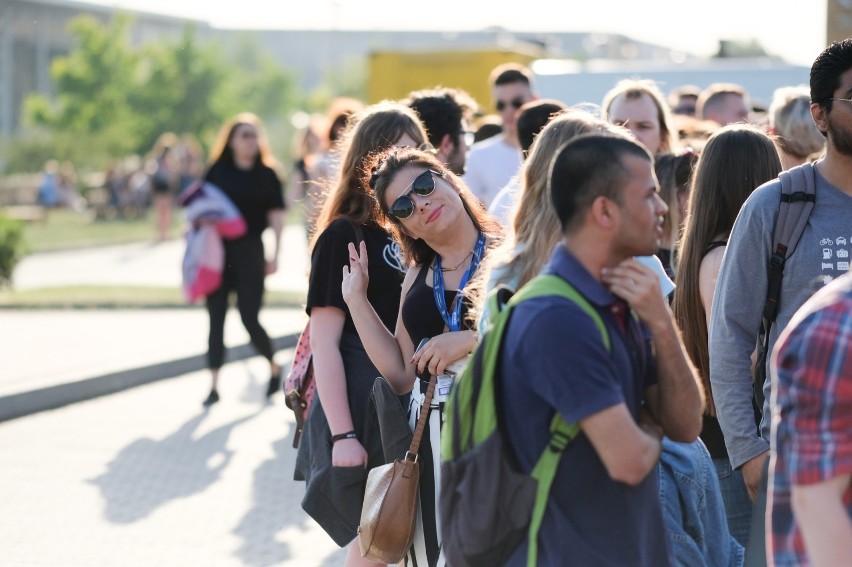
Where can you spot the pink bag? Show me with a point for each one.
(299, 386)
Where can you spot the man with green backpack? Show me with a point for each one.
(583, 381)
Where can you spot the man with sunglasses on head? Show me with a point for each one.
(492, 163)
(446, 114)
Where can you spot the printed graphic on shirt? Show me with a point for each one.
(835, 254)
(393, 256)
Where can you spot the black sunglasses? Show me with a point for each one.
(515, 102)
(423, 185)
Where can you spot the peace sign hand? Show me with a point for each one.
(355, 275)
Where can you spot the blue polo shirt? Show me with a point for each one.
(554, 359)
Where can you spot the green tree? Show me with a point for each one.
(257, 82)
(113, 99)
(92, 85)
(179, 89)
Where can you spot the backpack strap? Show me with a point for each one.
(561, 433)
(798, 196)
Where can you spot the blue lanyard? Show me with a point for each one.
(453, 320)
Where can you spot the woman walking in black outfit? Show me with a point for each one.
(242, 168)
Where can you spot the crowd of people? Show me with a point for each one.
(714, 423)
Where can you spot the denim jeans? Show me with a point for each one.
(693, 510)
(738, 505)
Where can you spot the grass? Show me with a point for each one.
(66, 230)
(120, 297)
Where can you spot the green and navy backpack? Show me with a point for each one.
(487, 504)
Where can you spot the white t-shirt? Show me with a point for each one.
(503, 205)
(491, 164)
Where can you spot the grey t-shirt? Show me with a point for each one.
(823, 250)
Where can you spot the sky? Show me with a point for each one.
(792, 29)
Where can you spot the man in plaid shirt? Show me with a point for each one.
(810, 497)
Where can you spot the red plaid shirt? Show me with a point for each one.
(811, 411)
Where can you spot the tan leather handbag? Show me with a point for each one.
(390, 500)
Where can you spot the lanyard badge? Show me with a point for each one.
(453, 320)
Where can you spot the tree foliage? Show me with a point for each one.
(113, 98)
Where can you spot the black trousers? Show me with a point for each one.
(245, 265)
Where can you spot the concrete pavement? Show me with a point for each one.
(147, 478)
(52, 358)
(144, 476)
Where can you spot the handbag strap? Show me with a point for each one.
(425, 409)
(411, 455)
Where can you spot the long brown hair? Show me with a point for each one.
(371, 130)
(222, 152)
(674, 172)
(735, 161)
(382, 169)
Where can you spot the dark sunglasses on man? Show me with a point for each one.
(515, 102)
(423, 185)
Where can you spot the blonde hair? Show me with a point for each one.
(790, 119)
(535, 224)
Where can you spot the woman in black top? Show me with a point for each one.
(242, 168)
(336, 469)
(444, 232)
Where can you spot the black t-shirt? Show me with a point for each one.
(255, 192)
(420, 312)
(386, 270)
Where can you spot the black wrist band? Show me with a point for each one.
(339, 436)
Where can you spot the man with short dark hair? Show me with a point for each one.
(492, 162)
(822, 250)
(604, 506)
(446, 114)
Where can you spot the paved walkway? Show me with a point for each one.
(51, 358)
(146, 478)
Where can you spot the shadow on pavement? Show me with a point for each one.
(147, 473)
(276, 504)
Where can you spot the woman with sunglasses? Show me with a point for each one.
(340, 443)
(444, 233)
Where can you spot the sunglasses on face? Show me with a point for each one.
(423, 185)
(515, 102)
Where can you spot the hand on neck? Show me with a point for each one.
(592, 251)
